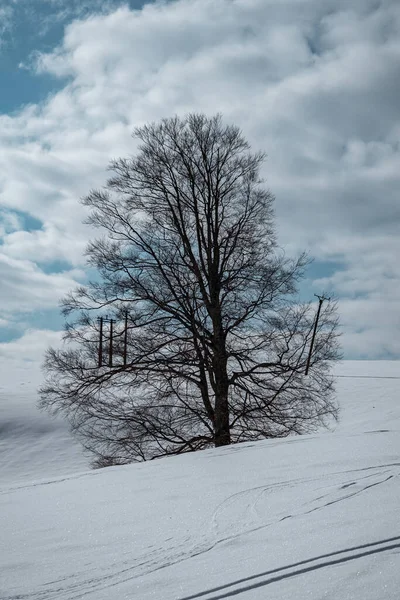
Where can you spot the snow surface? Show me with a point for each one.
(315, 517)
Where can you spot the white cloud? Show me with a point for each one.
(25, 288)
(42, 245)
(9, 222)
(21, 359)
(6, 20)
(367, 325)
(315, 84)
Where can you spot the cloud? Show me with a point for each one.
(20, 360)
(315, 84)
(366, 323)
(42, 245)
(26, 288)
(6, 19)
(9, 221)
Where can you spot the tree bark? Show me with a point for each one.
(222, 436)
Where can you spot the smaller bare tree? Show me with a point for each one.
(217, 340)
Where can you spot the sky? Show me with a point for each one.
(315, 84)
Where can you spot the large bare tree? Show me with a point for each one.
(217, 340)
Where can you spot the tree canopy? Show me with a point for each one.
(217, 339)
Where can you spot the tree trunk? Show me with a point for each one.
(222, 434)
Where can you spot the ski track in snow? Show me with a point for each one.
(236, 514)
(354, 479)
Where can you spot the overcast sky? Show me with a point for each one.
(314, 83)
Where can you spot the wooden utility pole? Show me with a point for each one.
(321, 300)
(100, 363)
(110, 351)
(125, 351)
(101, 321)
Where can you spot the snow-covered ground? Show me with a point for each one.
(315, 517)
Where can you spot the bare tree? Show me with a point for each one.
(217, 339)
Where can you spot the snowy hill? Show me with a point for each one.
(32, 445)
(316, 516)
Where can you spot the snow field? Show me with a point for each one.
(315, 516)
